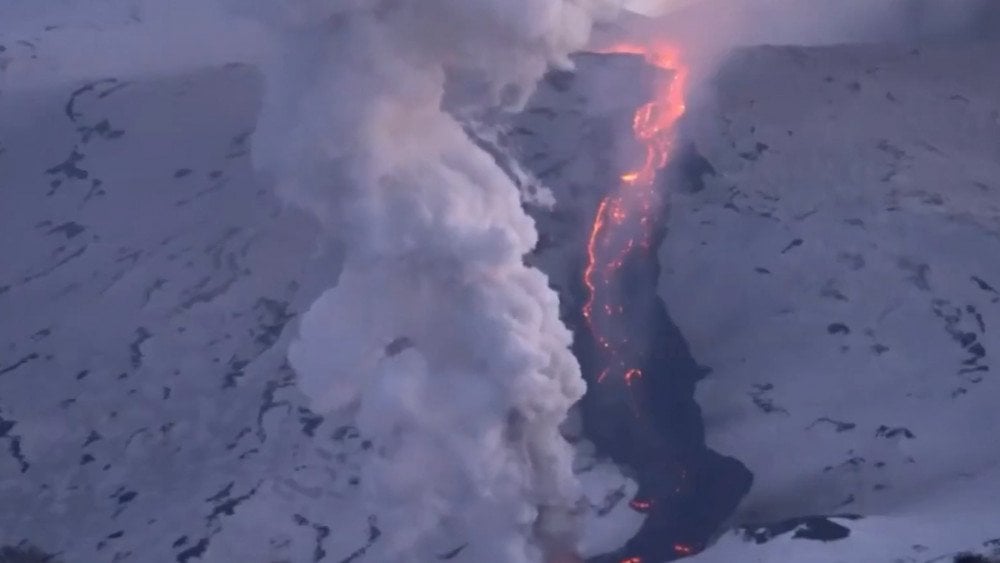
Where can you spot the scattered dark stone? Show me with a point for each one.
(112, 90)
(14, 447)
(235, 371)
(886, 432)
(918, 273)
(983, 285)
(310, 421)
(41, 334)
(87, 458)
(95, 190)
(322, 532)
(135, 347)
(760, 270)
(973, 558)
(373, 535)
(70, 108)
(127, 497)
(397, 346)
(765, 404)
(195, 551)
(29, 358)
(228, 507)
(102, 129)
(978, 316)
(25, 553)
(179, 542)
(182, 172)
(791, 245)
(69, 168)
(91, 438)
(818, 528)
(838, 328)
(268, 402)
(977, 350)
(831, 292)
(225, 492)
(70, 229)
(848, 501)
(965, 338)
(839, 426)
(453, 553)
(6, 426)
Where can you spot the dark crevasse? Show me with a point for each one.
(654, 427)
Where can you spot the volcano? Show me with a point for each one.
(812, 317)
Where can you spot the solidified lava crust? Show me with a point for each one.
(654, 426)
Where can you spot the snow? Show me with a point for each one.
(147, 287)
(835, 276)
(147, 412)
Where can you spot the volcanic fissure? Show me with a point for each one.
(640, 409)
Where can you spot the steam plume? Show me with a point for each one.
(445, 346)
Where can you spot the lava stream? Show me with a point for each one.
(625, 218)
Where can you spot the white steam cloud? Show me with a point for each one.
(448, 350)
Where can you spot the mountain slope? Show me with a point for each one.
(835, 274)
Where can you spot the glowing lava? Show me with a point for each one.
(683, 549)
(625, 218)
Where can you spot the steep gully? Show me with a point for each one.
(640, 409)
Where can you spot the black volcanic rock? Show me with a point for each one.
(818, 528)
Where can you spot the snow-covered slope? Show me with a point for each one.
(147, 280)
(838, 274)
(835, 273)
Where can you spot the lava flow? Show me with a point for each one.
(625, 218)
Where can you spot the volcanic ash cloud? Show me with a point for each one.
(445, 347)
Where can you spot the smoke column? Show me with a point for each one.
(445, 347)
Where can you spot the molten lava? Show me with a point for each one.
(625, 218)
(683, 549)
(641, 505)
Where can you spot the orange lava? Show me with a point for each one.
(625, 218)
(683, 549)
(641, 505)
